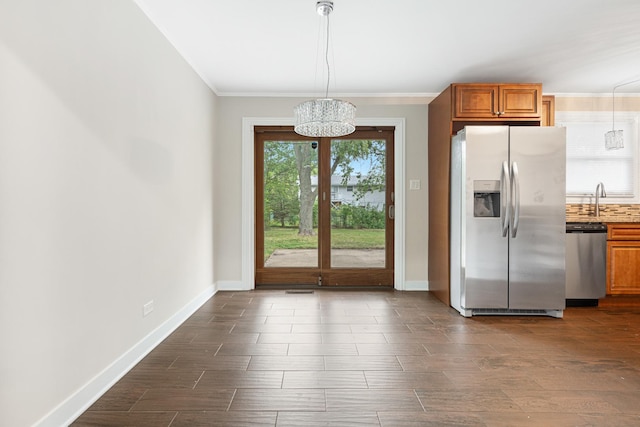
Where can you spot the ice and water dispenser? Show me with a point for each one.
(486, 198)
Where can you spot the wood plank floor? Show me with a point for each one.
(380, 358)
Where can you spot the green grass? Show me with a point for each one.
(288, 238)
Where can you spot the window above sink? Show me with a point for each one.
(588, 162)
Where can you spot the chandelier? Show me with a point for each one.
(326, 116)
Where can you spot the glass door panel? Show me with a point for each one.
(358, 203)
(290, 188)
(323, 208)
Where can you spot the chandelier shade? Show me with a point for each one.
(614, 140)
(325, 117)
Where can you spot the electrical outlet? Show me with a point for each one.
(414, 184)
(147, 308)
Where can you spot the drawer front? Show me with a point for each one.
(623, 232)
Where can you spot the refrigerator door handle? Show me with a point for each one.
(504, 199)
(515, 197)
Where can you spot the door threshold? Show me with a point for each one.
(288, 287)
(301, 289)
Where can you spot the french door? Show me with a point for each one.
(324, 208)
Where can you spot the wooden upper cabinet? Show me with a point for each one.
(483, 101)
(548, 117)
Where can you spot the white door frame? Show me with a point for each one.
(248, 193)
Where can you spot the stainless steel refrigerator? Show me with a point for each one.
(508, 220)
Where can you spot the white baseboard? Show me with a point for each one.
(233, 285)
(65, 413)
(416, 285)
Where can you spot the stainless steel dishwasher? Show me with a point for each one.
(586, 255)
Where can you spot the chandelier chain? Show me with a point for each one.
(325, 117)
(613, 96)
(326, 59)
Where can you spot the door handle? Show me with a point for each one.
(392, 212)
(515, 190)
(504, 199)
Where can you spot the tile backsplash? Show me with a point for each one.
(610, 210)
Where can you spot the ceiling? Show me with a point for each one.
(404, 47)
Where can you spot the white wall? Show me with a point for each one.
(228, 174)
(105, 193)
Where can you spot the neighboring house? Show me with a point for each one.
(344, 193)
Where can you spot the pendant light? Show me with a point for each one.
(614, 139)
(325, 117)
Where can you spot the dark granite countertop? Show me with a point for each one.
(604, 218)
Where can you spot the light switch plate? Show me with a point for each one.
(147, 308)
(414, 184)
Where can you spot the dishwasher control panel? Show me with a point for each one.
(586, 227)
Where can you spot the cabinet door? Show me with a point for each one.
(523, 100)
(497, 101)
(623, 267)
(475, 101)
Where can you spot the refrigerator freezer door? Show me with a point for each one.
(537, 253)
(456, 225)
(485, 249)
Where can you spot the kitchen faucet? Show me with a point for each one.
(599, 193)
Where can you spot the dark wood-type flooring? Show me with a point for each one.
(380, 358)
